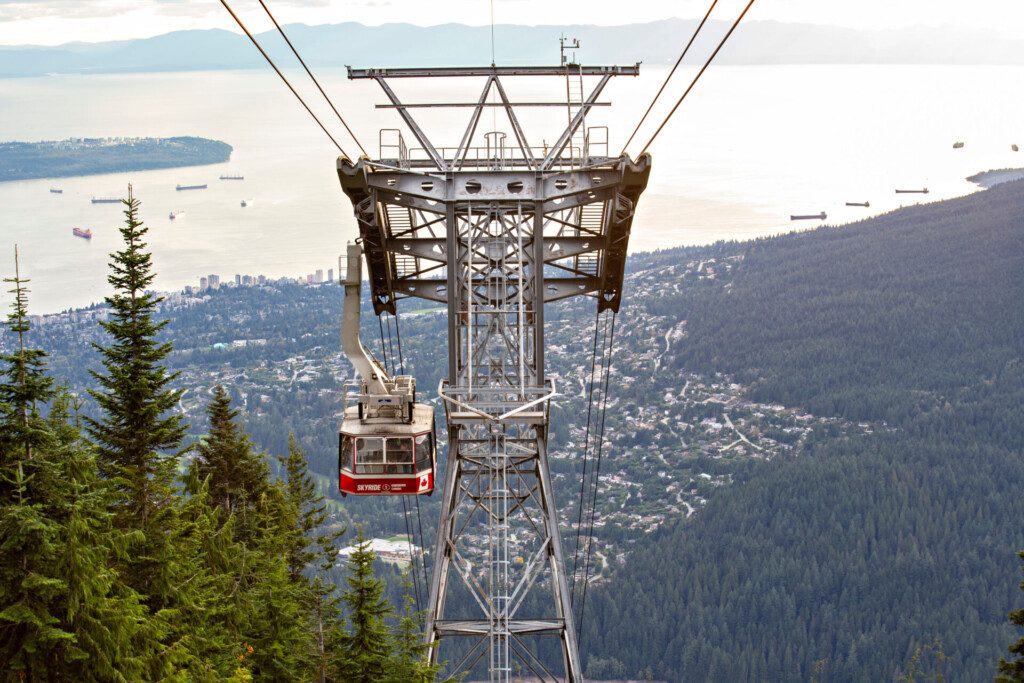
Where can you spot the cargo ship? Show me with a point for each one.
(179, 188)
(864, 204)
(232, 177)
(808, 217)
(56, 190)
(84, 234)
(923, 190)
(106, 200)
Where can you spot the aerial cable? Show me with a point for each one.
(586, 452)
(669, 77)
(423, 554)
(699, 74)
(412, 557)
(597, 472)
(398, 334)
(383, 348)
(391, 350)
(286, 82)
(308, 71)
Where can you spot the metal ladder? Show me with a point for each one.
(400, 222)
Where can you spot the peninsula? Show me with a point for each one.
(91, 156)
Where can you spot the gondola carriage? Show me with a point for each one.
(386, 443)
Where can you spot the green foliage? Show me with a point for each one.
(855, 550)
(367, 645)
(63, 612)
(238, 477)
(309, 509)
(112, 571)
(1012, 671)
(408, 659)
(926, 665)
(137, 426)
(25, 384)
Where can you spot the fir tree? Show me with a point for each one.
(237, 475)
(25, 383)
(309, 509)
(1012, 671)
(367, 646)
(136, 431)
(258, 611)
(407, 660)
(63, 613)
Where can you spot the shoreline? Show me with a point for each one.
(176, 296)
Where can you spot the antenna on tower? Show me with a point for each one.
(570, 43)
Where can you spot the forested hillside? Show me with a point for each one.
(813, 449)
(848, 555)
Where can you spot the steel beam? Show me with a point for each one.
(494, 239)
(463, 71)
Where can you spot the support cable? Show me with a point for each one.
(699, 74)
(383, 347)
(286, 81)
(597, 475)
(398, 334)
(303, 62)
(586, 452)
(412, 556)
(423, 545)
(391, 350)
(667, 78)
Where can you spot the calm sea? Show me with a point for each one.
(749, 147)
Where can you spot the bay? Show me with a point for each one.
(750, 146)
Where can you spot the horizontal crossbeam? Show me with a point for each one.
(462, 71)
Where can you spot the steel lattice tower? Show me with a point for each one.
(494, 231)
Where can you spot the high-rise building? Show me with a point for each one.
(309, 279)
(262, 280)
(214, 281)
(330, 274)
(204, 284)
(238, 280)
(318, 276)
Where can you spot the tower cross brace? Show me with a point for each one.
(493, 231)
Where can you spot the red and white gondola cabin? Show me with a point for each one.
(378, 457)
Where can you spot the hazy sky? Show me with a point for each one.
(50, 22)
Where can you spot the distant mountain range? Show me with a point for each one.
(758, 42)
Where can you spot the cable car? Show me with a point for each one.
(386, 442)
(386, 458)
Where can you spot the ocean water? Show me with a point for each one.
(750, 146)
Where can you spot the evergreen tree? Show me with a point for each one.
(327, 620)
(259, 610)
(1012, 671)
(367, 646)
(309, 509)
(407, 660)
(237, 475)
(136, 431)
(310, 544)
(25, 383)
(63, 613)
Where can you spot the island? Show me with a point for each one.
(91, 156)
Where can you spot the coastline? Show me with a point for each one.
(182, 296)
